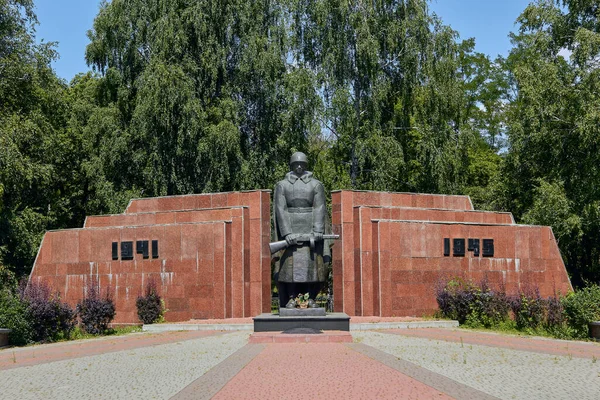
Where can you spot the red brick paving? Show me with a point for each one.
(525, 343)
(321, 370)
(39, 354)
(284, 370)
(278, 337)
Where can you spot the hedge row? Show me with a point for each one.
(477, 305)
(36, 314)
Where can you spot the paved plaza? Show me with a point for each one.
(429, 363)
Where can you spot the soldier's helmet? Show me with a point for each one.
(299, 157)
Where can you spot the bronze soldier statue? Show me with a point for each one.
(299, 214)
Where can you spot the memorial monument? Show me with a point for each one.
(299, 216)
(211, 258)
(302, 254)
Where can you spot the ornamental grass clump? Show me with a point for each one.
(49, 318)
(150, 307)
(96, 312)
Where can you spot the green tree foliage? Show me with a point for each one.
(13, 316)
(581, 308)
(31, 114)
(216, 96)
(190, 96)
(53, 171)
(393, 82)
(199, 88)
(551, 174)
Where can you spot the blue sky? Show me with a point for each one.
(67, 21)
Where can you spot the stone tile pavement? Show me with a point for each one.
(387, 364)
(518, 369)
(33, 355)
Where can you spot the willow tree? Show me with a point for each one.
(391, 79)
(205, 91)
(216, 95)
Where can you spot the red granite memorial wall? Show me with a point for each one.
(393, 253)
(209, 254)
(212, 258)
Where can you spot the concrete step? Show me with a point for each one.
(354, 326)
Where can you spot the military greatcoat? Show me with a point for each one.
(299, 208)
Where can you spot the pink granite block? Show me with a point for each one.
(219, 200)
(401, 199)
(254, 203)
(144, 205)
(347, 205)
(522, 243)
(169, 203)
(349, 298)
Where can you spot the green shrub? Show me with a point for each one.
(7, 278)
(529, 310)
(13, 315)
(581, 308)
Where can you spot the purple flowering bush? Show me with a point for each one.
(96, 311)
(480, 306)
(470, 304)
(149, 306)
(49, 318)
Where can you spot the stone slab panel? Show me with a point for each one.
(181, 276)
(258, 204)
(302, 312)
(416, 277)
(239, 232)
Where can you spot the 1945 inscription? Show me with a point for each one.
(141, 247)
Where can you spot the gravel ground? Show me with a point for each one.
(504, 373)
(156, 372)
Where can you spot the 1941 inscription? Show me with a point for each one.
(473, 244)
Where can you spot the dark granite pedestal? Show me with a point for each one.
(328, 322)
(302, 312)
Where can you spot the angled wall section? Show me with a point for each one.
(189, 267)
(208, 254)
(393, 251)
(259, 230)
